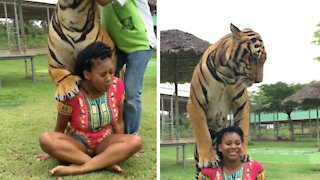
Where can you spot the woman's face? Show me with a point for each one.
(231, 146)
(101, 74)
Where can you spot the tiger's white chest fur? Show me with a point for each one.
(223, 102)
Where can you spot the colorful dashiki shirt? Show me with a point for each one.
(252, 170)
(91, 118)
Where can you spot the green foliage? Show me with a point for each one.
(35, 35)
(32, 29)
(185, 127)
(316, 35)
(259, 102)
(270, 96)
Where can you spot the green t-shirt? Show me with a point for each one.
(125, 26)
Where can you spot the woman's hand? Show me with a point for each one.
(44, 156)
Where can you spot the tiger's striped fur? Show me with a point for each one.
(74, 25)
(219, 87)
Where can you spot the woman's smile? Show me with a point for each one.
(231, 146)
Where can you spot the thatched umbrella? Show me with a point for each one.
(181, 50)
(179, 54)
(152, 2)
(307, 97)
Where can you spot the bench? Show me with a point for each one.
(17, 57)
(177, 143)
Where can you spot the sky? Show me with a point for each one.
(286, 27)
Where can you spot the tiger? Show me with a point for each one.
(218, 88)
(74, 25)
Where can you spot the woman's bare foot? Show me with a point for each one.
(64, 170)
(137, 154)
(114, 168)
(44, 156)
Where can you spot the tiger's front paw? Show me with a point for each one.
(67, 88)
(245, 158)
(209, 160)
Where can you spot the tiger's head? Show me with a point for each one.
(77, 15)
(246, 55)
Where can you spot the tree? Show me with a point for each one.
(316, 35)
(276, 93)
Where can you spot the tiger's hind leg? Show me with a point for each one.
(207, 156)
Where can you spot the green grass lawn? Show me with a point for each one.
(27, 110)
(282, 161)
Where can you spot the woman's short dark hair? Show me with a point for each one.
(93, 52)
(221, 133)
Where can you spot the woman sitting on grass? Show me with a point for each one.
(229, 148)
(94, 138)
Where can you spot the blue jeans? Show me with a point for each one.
(136, 64)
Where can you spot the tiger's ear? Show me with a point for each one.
(235, 32)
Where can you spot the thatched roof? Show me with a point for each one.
(152, 2)
(308, 96)
(182, 47)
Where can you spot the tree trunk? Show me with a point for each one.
(291, 130)
(274, 124)
(254, 125)
(310, 125)
(259, 127)
(317, 128)
(278, 126)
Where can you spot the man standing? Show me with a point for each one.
(130, 25)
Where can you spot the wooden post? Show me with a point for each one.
(26, 66)
(176, 102)
(259, 127)
(48, 16)
(7, 26)
(317, 128)
(172, 118)
(278, 125)
(254, 125)
(310, 125)
(17, 27)
(162, 117)
(302, 128)
(274, 124)
(23, 39)
(22, 27)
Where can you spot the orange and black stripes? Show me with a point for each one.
(57, 27)
(212, 70)
(64, 77)
(195, 96)
(53, 56)
(88, 26)
(219, 86)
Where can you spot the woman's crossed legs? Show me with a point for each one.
(113, 149)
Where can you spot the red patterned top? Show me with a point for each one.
(90, 119)
(252, 170)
